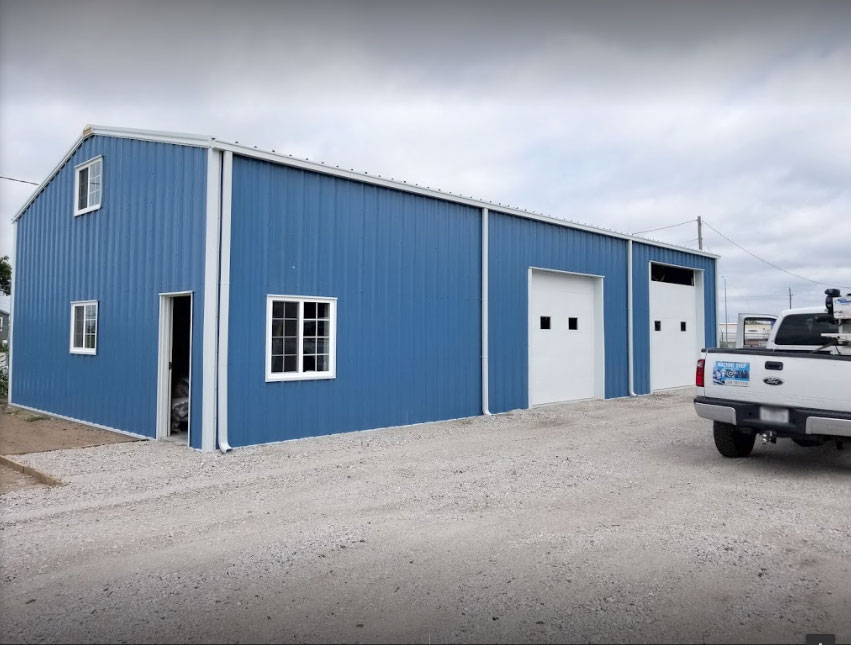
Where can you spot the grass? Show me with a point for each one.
(36, 417)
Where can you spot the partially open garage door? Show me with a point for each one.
(673, 326)
(565, 337)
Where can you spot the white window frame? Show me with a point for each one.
(77, 170)
(331, 373)
(91, 351)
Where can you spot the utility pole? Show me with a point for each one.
(726, 319)
(790, 297)
(699, 233)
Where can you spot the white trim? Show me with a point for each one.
(212, 143)
(599, 334)
(211, 297)
(485, 320)
(224, 303)
(630, 357)
(83, 421)
(331, 373)
(90, 351)
(77, 169)
(164, 349)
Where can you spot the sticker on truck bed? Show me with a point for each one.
(730, 373)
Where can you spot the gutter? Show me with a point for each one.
(485, 324)
(629, 316)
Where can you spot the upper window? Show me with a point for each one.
(805, 329)
(88, 186)
(300, 338)
(84, 327)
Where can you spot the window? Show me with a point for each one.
(657, 325)
(88, 186)
(300, 338)
(84, 327)
(682, 326)
(545, 322)
(805, 329)
(573, 323)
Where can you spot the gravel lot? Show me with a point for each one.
(596, 521)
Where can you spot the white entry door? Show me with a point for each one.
(563, 337)
(673, 334)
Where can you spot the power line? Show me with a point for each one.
(23, 181)
(661, 228)
(771, 264)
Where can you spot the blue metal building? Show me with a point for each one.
(172, 282)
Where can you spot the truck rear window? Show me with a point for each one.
(805, 329)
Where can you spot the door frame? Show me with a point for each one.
(164, 345)
(700, 314)
(599, 333)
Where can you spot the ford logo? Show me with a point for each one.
(771, 380)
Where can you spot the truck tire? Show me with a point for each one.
(732, 442)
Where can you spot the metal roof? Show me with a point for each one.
(206, 141)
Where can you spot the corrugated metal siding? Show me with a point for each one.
(147, 238)
(405, 270)
(517, 244)
(642, 256)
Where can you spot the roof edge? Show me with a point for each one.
(206, 141)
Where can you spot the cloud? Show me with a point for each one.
(625, 115)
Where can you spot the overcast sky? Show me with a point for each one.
(630, 115)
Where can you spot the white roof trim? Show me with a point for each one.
(204, 141)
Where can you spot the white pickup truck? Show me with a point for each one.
(798, 386)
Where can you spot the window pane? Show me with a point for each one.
(322, 309)
(321, 328)
(90, 341)
(91, 311)
(290, 328)
(310, 328)
(309, 310)
(277, 309)
(277, 328)
(90, 326)
(322, 346)
(83, 190)
(291, 364)
(309, 363)
(292, 310)
(291, 346)
(277, 346)
(309, 346)
(277, 364)
(322, 363)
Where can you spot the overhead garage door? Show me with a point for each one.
(673, 328)
(563, 337)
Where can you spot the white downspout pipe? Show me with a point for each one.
(211, 275)
(485, 396)
(629, 316)
(224, 303)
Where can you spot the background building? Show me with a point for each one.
(168, 282)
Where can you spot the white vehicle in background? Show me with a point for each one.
(797, 386)
(754, 330)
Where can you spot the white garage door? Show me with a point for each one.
(563, 330)
(673, 334)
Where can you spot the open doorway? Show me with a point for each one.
(175, 366)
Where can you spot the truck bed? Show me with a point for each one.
(811, 380)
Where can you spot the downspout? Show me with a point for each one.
(629, 316)
(211, 275)
(224, 303)
(485, 396)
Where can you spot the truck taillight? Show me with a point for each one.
(698, 374)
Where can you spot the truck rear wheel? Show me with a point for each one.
(732, 442)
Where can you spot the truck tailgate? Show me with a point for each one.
(786, 380)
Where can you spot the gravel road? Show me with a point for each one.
(596, 521)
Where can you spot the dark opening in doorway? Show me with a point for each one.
(181, 334)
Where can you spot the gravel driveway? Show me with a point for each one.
(596, 521)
